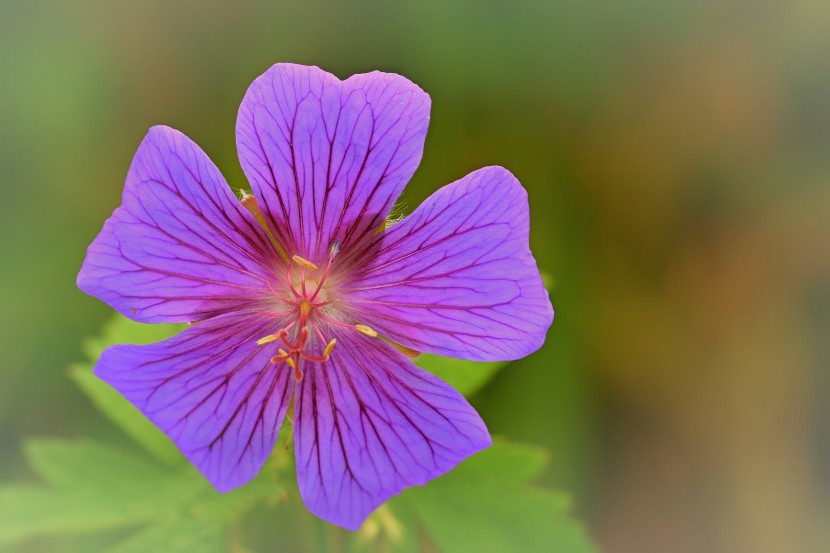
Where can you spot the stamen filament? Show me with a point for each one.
(335, 247)
(279, 296)
(267, 314)
(291, 285)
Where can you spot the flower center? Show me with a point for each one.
(308, 313)
(307, 300)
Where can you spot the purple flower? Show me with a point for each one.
(301, 291)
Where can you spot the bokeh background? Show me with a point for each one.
(677, 157)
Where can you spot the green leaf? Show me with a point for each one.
(184, 535)
(66, 464)
(465, 376)
(487, 504)
(121, 330)
(94, 487)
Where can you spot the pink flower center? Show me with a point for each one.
(307, 299)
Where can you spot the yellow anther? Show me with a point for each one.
(329, 347)
(409, 352)
(249, 202)
(363, 329)
(282, 352)
(302, 262)
(383, 226)
(267, 339)
(291, 363)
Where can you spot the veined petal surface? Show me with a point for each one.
(328, 158)
(211, 390)
(179, 248)
(456, 277)
(369, 423)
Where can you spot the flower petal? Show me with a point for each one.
(179, 248)
(211, 390)
(456, 277)
(369, 423)
(328, 158)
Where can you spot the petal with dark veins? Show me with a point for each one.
(456, 277)
(369, 423)
(179, 248)
(211, 390)
(328, 158)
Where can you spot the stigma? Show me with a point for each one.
(308, 316)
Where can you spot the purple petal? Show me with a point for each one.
(180, 248)
(456, 277)
(369, 423)
(212, 390)
(328, 158)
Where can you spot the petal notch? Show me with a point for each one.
(328, 158)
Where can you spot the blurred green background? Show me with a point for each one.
(677, 157)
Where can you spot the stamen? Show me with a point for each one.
(267, 339)
(307, 312)
(334, 249)
(249, 202)
(329, 347)
(302, 262)
(383, 226)
(409, 352)
(363, 329)
(280, 335)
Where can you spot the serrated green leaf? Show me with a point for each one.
(120, 330)
(486, 504)
(465, 376)
(95, 487)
